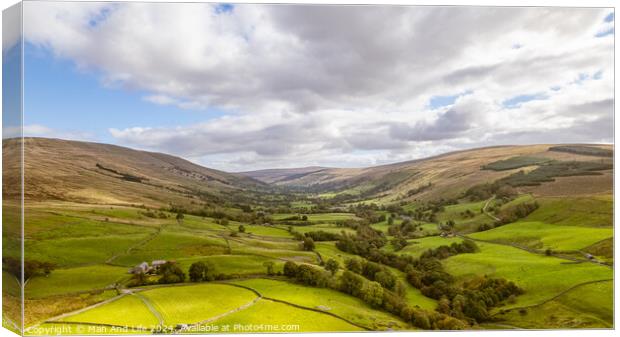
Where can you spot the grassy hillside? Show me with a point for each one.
(101, 173)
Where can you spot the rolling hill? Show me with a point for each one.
(100, 173)
(446, 175)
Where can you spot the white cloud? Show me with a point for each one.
(36, 130)
(349, 85)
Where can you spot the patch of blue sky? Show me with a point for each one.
(11, 90)
(604, 33)
(101, 16)
(59, 96)
(516, 101)
(224, 8)
(441, 101)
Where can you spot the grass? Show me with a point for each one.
(47, 225)
(73, 280)
(174, 245)
(196, 303)
(265, 315)
(587, 306)
(542, 277)
(195, 222)
(318, 218)
(417, 246)
(291, 255)
(329, 300)
(40, 309)
(456, 213)
(80, 251)
(568, 211)
(328, 251)
(325, 227)
(539, 235)
(258, 230)
(234, 264)
(413, 295)
(128, 310)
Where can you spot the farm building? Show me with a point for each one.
(141, 268)
(157, 263)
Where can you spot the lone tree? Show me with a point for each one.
(290, 269)
(180, 217)
(269, 265)
(332, 266)
(241, 229)
(308, 243)
(171, 273)
(198, 272)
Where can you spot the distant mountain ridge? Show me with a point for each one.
(102, 173)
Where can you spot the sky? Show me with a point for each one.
(245, 87)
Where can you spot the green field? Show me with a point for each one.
(416, 247)
(284, 318)
(586, 212)
(234, 264)
(77, 251)
(348, 307)
(542, 236)
(174, 244)
(128, 311)
(587, 306)
(325, 227)
(542, 277)
(196, 303)
(318, 217)
(92, 245)
(74, 280)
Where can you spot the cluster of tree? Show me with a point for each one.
(307, 244)
(399, 242)
(470, 301)
(365, 239)
(322, 236)
(296, 218)
(378, 296)
(306, 274)
(154, 214)
(584, 150)
(427, 274)
(31, 267)
(468, 214)
(170, 273)
(486, 191)
(419, 189)
(376, 272)
(406, 228)
(373, 293)
(123, 176)
(516, 212)
(444, 252)
(221, 214)
(200, 271)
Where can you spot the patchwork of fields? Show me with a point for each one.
(314, 264)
